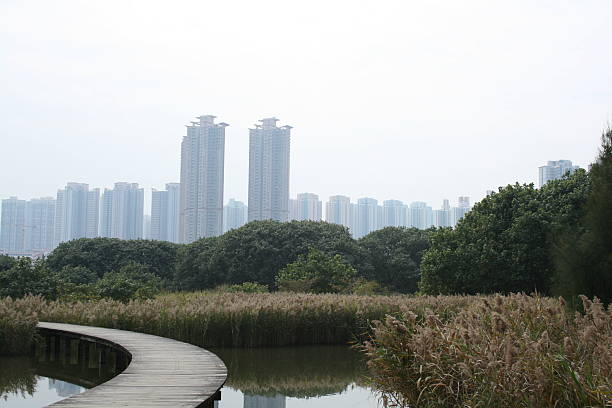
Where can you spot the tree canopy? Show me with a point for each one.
(256, 252)
(505, 243)
(393, 257)
(583, 255)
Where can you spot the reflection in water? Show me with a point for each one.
(261, 401)
(307, 376)
(64, 389)
(60, 367)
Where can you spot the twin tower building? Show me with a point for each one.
(202, 176)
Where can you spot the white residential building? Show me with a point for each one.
(76, 212)
(40, 221)
(202, 178)
(306, 207)
(395, 214)
(12, 226)
(555, 170)
(457, 213)
(338, 210)
(269, 147)
(442, 217)
(123, 211)
(165, 213)
(235, 215)
(369, 215)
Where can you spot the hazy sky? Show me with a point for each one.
(410, 100)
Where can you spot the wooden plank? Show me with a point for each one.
(162, 373)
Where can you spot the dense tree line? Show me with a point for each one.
(254, 254)
(505, 244)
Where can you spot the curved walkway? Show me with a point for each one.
(163, 372)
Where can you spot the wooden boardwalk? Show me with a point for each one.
(162, 372)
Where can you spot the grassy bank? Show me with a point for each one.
(213, 319)
(18, 319)
(515, 351)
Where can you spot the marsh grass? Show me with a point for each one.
(18, 319)
(513, 351)
(214, 319)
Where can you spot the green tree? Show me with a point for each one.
(583, 255)
(28, 277)
(317, 272)
(6, 262)
(132, 281)
(505, 243)
(103, 255)
(77, 274)
(193, 269)
(256, 252)
(393, 257)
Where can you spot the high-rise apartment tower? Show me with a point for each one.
(165, 212)
(76, 212)
(202, 161)
(269, 171)
(555, 170)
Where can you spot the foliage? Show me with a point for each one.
(18, 320)
(218, 319)
(394, 257)
(317, 272)
(103, 255)
(247, 287)
(256, 252)
(583, 255)
(28, 277)
(6, 262)
(505, 243)
(364, 287)
(132, 281)
(77, 275)
(516, 351)
(193, 269)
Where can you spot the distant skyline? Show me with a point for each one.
(392, 100)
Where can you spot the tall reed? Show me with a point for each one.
(212, 319)
(18, 320)
(514, 351)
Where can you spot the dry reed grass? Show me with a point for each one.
(18, 319)
(513, 351)
(212, 319)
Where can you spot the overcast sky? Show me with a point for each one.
(409, 100)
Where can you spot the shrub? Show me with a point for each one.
(316, 272)
(28, 277)
(133, 281)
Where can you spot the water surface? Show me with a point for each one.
(295, 377)
(59, 368)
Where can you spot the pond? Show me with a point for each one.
(294, 377)
(58, 369)
(288, 377)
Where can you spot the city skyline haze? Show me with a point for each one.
(391, 100)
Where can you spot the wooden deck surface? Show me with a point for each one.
(163, 372)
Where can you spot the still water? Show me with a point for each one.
(58, 368)
(295, 377)
(291, 377)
